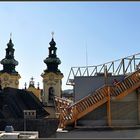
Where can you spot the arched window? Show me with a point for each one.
(51, 94)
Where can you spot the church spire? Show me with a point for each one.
(52, 61)
(52, 48)
(9, 62)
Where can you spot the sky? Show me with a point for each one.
(86, 33)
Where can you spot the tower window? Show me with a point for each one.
(51, 93)
(52, 52)
(10, 53)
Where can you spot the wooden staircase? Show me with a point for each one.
(61, 103)
(70, 113)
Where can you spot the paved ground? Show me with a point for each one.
(92, 133)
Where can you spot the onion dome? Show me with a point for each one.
(52, 61)
(9, 62)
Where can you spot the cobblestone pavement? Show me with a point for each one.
(89, 133)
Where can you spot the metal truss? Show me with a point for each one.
(121, 66)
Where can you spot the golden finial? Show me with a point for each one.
(10, 35)
(52, 34)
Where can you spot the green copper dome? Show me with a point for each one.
(9, 62)
(52, 60)
(6, 61)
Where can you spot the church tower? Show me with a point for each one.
(9, 77)
(52, 76)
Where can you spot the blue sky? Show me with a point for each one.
(109, 31)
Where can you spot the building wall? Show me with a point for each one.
(36, 92)
(51, 80)
(85, 85)
(124, 112)
(9, 80)
(46, 127)
(96, 118)
(52, 111)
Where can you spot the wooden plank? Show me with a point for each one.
(120, 96)
(92, 98)
(100, 97)
(96, 100)
(85, 102)
(121, 87)
(116, 92)
(97, 96)
(123, 84)
(78, 108)
(84, 105)
(126, 84)
(131, 81)
(108, 109)
(89, 102)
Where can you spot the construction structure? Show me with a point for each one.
(104, 95)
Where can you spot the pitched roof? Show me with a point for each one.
(14, 101)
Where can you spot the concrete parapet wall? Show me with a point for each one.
(45, 127)
(124, 112)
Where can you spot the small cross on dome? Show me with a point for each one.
(10, 35)
(32, 78)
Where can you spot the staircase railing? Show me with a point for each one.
(71, 113)
(61, 103)
(126, 86)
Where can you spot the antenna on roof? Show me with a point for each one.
(52, 34)
(86, 55)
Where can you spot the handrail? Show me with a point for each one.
(91, 93)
